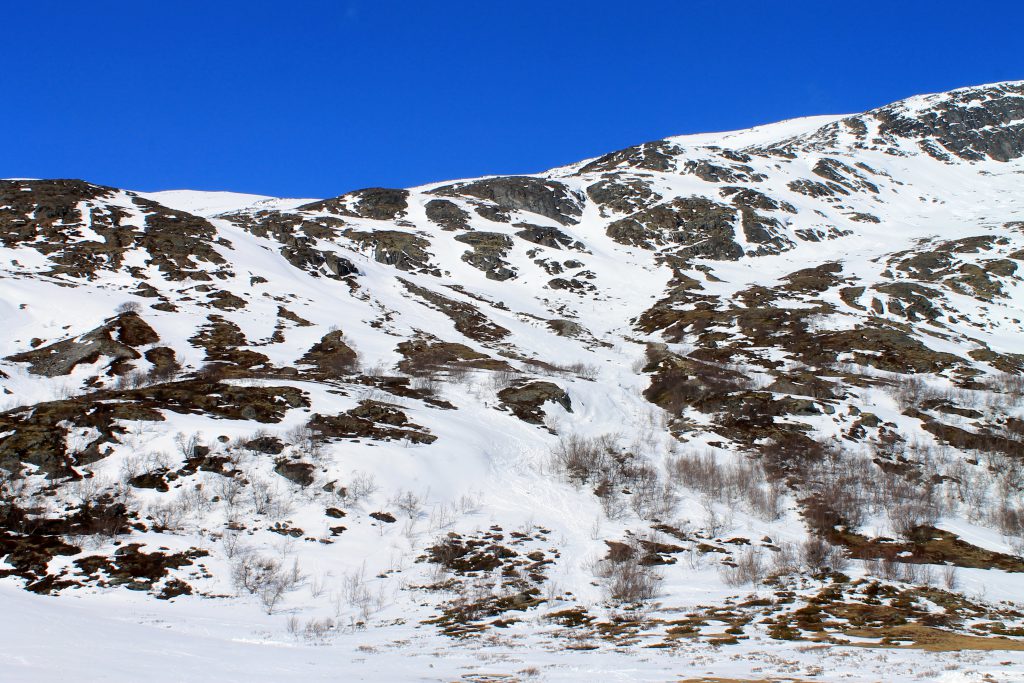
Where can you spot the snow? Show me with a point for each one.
(486, 468)
(210, 204)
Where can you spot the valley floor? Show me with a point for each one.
(119, 637)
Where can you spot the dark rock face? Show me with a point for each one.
(971, 124)
(547, 236)
(715, 173)
(467, 318)
(298, 237)
(622, 195)
(268, 445)
(300, 473)
(378, 203)
(700, 226)
(428, 357)
(61, 357)
(526, 400)
(402, 250)
(47, 215)
(37, 435)
(447, 214)
(371, 420)
(522, 193)
(489, 250)
(331, 355)
(650, 156)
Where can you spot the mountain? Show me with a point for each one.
(720, 404)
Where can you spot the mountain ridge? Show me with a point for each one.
(773, 382)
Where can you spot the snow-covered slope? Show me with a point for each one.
(734, 404)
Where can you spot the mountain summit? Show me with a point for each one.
(708, 399)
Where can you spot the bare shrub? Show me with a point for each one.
(167, 516)
(1008, 383)
(949, 577)
(818, 555)
(502, 379)
(133, 379)
(361, 486)
(266, 498)
(583, 370)
(580, 459)
(186, 444)
(408, 503)
(747, 567)
(265, 577)
(743, 482)
(626, 579)
(128, 307)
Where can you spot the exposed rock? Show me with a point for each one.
(548, 237)
(300, 473)
(701, 228)
(115, 340)
(489, 250)
(376, 203)
(332, 356)
(371, 420)
(467, 318)
(526, 400)
(547, 198)
(447, 214)
(403, 250)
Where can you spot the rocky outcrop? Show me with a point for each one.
(547, 198)
(403, 250)
(526, 401)
(489, 250)
(376, 203)
(115, 340)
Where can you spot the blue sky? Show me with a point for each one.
(315, 98)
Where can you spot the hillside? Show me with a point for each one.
(732, 404)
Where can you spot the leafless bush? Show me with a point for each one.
(194, 499)
(128, 307)
(744, 481)
(1008, 383)
(819, 555)
(747, 567)
(909, 391)
(581, 459)
(314, 630)
(266, 498)
(266, 577)
(583, 370)
(502, 379)
(362, 486)
(186, 444)
(167, 516)
(229, 490)
(133, 379)
(307, 440)
(949, 577)
(165, 372)
(408, 503)
(909, 515)
(626, 579)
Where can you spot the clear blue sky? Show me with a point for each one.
(314, 98)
